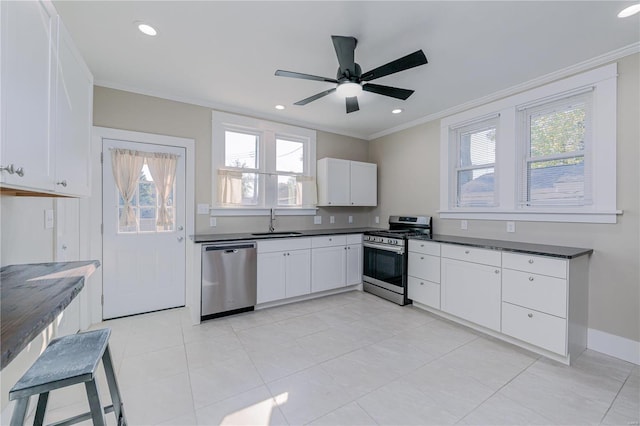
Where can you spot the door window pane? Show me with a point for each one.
(240, 150)
(289, 156)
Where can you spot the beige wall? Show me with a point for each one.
(410, 160)
(130, 111)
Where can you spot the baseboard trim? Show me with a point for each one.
(615, 346)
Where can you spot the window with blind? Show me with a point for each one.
(555, 165)
(475, 165)
(545, 154)
(258, 165)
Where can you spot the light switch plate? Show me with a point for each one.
(350, 219)
(213, 222)
(203, 208)
(464, 224)
(317, 220)
(377, 219)
(511, 227)
(332, 219)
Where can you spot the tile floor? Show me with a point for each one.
(349, 359)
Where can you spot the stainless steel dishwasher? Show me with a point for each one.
(228, 278)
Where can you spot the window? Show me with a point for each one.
(475, 168)
(555, 140)
(259, 165)
(547, 154)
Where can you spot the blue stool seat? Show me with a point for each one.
(67, 361)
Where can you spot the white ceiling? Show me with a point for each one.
(223, 54)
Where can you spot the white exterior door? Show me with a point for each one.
(144, 264)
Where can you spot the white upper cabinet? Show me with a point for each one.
(346, 183)
(46, 103)
(28, 30)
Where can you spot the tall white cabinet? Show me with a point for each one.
(46, 102)
(346, 183)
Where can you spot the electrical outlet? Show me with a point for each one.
(48, 219)
(203, 208)
(377, 219)
(317, 220)
(350, 219)
(511, 227)
(213, 222)
(463, 224)
(332, 219)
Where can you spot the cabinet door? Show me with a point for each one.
(333, 182)
(471, 291)
(354, 264)
(271, 276)
(328, 268)
(364, 184)
(74, 95)
(298, 273)
(26, 37)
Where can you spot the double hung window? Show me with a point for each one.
(259, 165)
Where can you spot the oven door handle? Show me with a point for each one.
(394, 249)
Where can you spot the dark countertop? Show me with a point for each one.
(210, 238)
(32, 296)
(511, 246)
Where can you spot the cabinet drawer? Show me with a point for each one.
(423, 291)
(537, 328)
(424, 247)
(329, 241)
(537, 264)
(471, 254)
(424, 266)
(283, 244)
(354, 239)
(539, 292)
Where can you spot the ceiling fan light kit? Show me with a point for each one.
(350, 81)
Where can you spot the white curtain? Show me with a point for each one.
(229, 187)
(126, 166)
(306, 191)
(162, 167)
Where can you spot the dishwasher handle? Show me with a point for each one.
(230, 248)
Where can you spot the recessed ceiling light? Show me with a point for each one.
(279, 106)
(146, 29)
(396, 111)
(629, 11)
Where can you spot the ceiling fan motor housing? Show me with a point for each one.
(349, 75)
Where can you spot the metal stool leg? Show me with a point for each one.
(116, 399)
(19, 411)
(40, 410)
(97, 413)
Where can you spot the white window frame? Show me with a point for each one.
(267, 133)
(602, 83)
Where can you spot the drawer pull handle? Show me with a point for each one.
(466, 252)
(530, 315)
(530, 278)
(531, 261)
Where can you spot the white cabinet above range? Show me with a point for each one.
(347, 183)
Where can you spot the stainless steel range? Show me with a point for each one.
(385, 257)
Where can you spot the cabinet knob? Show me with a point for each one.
(421, 257)
(530, 315)
(421, 245)
(530, 260)
(62, 183)
(180, 238)
(466, 252)
(421, 283)
(20, 171)
(11, 170)
(497, 271)
(530, 278)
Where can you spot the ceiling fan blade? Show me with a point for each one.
(314, 97)
(345, 47)
(394, 92)
(406, 62)
(282, 73)
(352, 104)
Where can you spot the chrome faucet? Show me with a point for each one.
(272, 219)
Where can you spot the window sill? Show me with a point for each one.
(534, 216)
(262, 211)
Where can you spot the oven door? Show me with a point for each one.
(384, 266)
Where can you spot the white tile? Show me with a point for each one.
(151, 366)
(349, 415)
(265, 337)
(213, 350)
(254, 407)
(302, 325)
(281, 361)
(625, 409)
(331, 343)
(500, 410)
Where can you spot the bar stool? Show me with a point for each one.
(67, 361)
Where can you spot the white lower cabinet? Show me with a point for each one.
(284, 269)
(354, 259)
(472, 291)
(423, 268)
(537, 328)
(328, 262)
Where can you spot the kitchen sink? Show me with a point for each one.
(264, 234)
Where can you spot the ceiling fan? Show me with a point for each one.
(351, 80)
